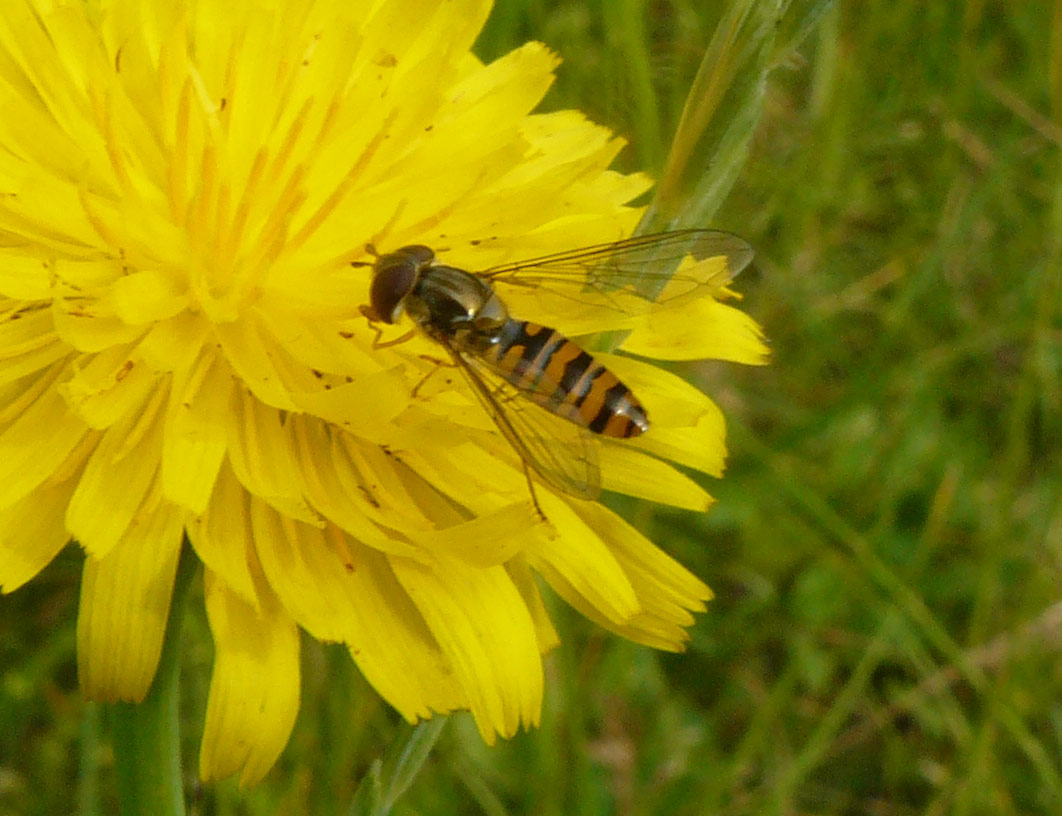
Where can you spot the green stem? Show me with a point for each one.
(147, 735)
(88, 793)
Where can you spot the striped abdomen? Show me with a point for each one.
(554, 372)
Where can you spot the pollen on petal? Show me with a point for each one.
(256, 361)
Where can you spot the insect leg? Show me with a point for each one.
(438, 364)
(372, 319)
(531, 490)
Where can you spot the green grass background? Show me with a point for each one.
(887, 545)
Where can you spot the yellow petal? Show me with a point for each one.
(341, 591)
(524, 580)
(194, 442)
(28, 456)
(320, 343)
(363, 406)
(704, 329)
(483, 627)
(667, 593)
(393, 646)
(333, 488)
(116, 480)
(578, 558)
(656, 575)
(702, 447)
(255, 361)
(91, 330)
(32, 361)
(125, 600)
(28, 343)
(108, 386)
(32, 533)
(222, 537)
(628, 471)
(262, 455)
(469, 470)
(254, 690)
(173, 344)
(307, 567)
(22, 275)
(146, 297)
(436, 509)
(387, 481)
(489, 539)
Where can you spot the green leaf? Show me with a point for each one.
(723, 107)
(388, 779)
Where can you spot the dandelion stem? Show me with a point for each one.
(147, 735)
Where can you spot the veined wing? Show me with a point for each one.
(635, 269)
(562, 453)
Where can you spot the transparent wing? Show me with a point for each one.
(562, 453)
(637, 269)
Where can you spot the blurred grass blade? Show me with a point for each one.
(388, 779)
(799, 18)
(723, 107)
(1055, 70)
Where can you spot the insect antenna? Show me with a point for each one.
(370, 249)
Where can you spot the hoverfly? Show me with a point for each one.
(526, 374)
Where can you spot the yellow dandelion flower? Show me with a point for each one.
(187, 194)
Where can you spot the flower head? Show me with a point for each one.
(183, 190)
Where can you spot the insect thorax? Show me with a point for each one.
(448, 301)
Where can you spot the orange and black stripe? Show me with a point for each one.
(554, 372)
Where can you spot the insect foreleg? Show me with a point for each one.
(373, 319)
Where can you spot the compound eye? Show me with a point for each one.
(394, 278)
